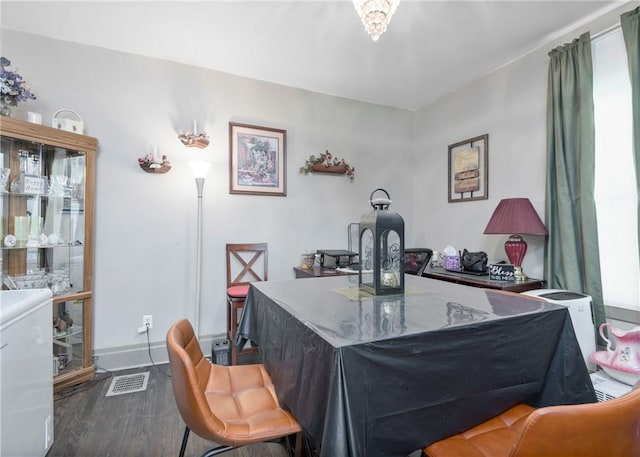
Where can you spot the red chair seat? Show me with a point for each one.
(238, 291)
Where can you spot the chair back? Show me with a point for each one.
(246, 263)
(416, 260)
(189, 375)
(591, 430)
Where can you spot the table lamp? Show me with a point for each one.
(515, 216)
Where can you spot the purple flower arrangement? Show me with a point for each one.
(13, 89)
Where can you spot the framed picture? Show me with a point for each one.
(469, 170)
(257, 160)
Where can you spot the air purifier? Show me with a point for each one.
(581, 317)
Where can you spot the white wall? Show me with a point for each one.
(510, 105)
(145, 224)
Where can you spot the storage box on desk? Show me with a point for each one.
(220, 352)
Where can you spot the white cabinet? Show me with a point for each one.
(26, 371)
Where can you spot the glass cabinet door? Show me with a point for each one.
(42, 238)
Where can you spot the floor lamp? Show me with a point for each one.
(200, 171)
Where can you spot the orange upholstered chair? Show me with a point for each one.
(610, 428)
(229, 405)
(246, 263)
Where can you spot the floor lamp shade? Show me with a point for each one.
(515, 217)
(199, 169)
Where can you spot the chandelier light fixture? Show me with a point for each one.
(375, 15)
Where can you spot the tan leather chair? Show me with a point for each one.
(229, 405)
(246, 263)
(606, 429)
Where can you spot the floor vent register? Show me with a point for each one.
(127, 384)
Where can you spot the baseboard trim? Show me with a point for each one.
(137, 355)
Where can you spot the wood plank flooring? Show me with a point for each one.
(138, 424)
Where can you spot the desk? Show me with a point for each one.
(319, 272)
(384, 376)
(469, 279)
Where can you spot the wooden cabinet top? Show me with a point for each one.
(468, 279)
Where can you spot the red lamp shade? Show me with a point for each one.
(515, 217)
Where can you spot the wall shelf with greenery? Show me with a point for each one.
(327, 163)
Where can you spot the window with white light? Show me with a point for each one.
(615, 182)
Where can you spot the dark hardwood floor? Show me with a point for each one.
(138, 424)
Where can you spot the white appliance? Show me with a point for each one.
(26, 372)
(581, 317)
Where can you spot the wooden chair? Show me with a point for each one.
(230, 405)
(610, 428)
(246, 263)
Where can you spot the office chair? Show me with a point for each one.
(610, 428)
(229, 405)
(416, 260)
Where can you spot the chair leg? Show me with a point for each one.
(291, 446)
(302, 446)
(307, 445)
(235, 307)
(218, 450)
(210, 453)
(294, 445)
(234, 353)
(185, 437)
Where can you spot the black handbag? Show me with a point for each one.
(474, 261)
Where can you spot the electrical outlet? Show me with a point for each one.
(147, 321)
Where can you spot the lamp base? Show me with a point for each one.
(516, 248)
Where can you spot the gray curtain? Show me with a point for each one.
(630, 23)
(572, 260)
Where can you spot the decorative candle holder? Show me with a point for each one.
(195, 139)
(153, 163)
(192, 140)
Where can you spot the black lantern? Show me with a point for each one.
(381, 249)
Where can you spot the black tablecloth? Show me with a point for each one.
(384, 376)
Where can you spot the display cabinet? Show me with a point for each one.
(47, 188)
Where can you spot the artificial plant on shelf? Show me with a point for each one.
(327, 163)
(13, 89)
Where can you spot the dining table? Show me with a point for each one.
(384, 376)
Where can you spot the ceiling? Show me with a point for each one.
(431, 48)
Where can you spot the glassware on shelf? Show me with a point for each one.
(21, 229)
(59, 282)
(28, 281)
(4, 179)
(58, 186)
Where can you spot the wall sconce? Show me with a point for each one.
(153, 163)
(381, 249)
(194, 139)
(515, 216)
